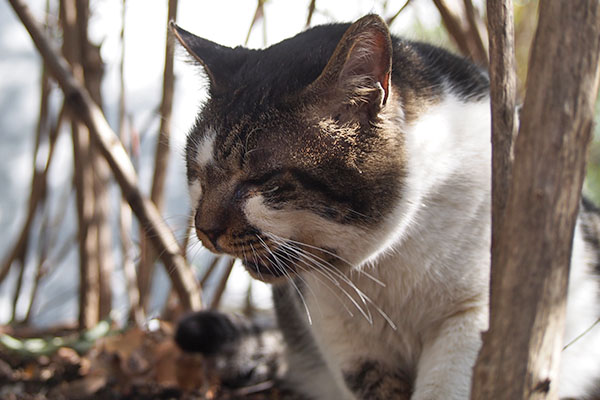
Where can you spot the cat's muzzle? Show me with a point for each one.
(271, 272)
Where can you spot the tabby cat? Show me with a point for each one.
(351, 169)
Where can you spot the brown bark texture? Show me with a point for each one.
(533, 244)
(92, 67)
(93, 71)
(112, 150)
(83, 177)
(503, 94)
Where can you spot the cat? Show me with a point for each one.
(351, 169)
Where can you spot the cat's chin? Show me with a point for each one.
(268, 274)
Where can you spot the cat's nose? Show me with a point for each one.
(209, 230)
(213, 235)
(210, 237)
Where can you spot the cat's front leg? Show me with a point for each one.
(445, 366)
(373, 380)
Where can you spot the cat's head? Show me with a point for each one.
(295, 161)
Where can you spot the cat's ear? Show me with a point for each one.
(219, 62)
(358, 73)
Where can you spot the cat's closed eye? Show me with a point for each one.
(274, 189)
(279, 189)
(242, 191)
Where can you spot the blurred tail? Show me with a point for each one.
(243, 352)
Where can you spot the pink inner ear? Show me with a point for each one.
(370, 57)
(385, 85)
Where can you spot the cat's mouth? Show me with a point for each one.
(270, 272)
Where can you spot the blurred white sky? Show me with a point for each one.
(223, 21)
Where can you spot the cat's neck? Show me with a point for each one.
(447, 187)
(445, 206)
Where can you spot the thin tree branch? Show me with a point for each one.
(504, 129)
(17, 293)
(476, 30)
(161, 160)
(45, 268)
(93, 70)
(391, 19)
(133, 294)
(216, 300)
(209, 271)
(258, 15)
(468, 42)
(112, 149)
(136, 313)
(40, 267)
(38, 184)
(84, 176)
(503, 93)
(311, 11)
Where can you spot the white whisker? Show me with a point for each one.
(327, 266)
(377, 281)
(325, 271)
(286, 255)
(289, 278)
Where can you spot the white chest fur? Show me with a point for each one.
(432, 256)
(435, 266)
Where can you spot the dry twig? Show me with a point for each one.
(466, 35)
(258, 15)
(113, 151)
(133, 294)
(311, 10)
(161, 159)
(391, 19)
(214, 303)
